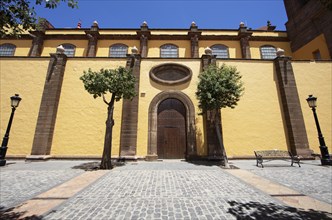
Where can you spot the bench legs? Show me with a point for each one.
(259, 160)
(296, 159)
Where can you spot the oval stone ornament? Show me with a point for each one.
(170, 74)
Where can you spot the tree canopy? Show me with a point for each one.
(19, 15)
(120, 82)
(219, 87)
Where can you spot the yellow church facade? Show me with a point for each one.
(57, 118)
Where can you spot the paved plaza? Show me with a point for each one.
(170, 189)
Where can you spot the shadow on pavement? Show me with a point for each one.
(8, 214)
(210, 163)
(205, 162)
(91, 166)
(259, 211)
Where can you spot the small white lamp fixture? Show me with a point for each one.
(60, 49)
(134, 50)
(280, 52)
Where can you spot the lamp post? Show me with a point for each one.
(325, 157)
(15, 101)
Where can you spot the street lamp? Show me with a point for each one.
(325, 157)
(15, 101)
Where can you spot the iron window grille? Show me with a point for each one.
(268, 52)
(7, 50)
(169, 51)
(220, 50)
(118, 50)
(69, 50)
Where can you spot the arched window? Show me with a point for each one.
(7, 50)
(118, 50)
(220, 50)
(268, 52)
(69, 50)
(169, 50)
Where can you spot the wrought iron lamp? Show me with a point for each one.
(15, 101)
(325, 157)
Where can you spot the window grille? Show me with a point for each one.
(268, 52)
(7, 50)
(118, 50)
(168, 51)
(69, 50)
(220, 50)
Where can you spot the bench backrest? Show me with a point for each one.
(272, 153)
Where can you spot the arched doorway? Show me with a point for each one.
(190, 130)
(171, 129)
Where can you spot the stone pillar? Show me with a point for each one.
(144, 35)
(129, 121)
(292, 112)
(92, 35)
(37, 43)
(214, 151)
(194, 35)
(143, 45)
(244, 36)
(42, 142)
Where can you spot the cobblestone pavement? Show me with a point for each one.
(311, 178)
(21, 180)
(173, 190)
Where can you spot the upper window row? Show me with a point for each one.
(172, 51)
(166, 51)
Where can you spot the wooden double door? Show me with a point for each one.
(171, 130)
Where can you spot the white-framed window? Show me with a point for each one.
(169, 51)
(220, 50)
(268, 52)
(69, 50)
(118, 50)
(7, 50)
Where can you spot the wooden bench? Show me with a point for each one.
(268, 155)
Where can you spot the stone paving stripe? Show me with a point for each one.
(46, 201)
(282, 193)
(37, 198)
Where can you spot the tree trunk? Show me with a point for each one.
(220, 139)
(106, 162)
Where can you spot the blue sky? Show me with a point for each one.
(210, 14)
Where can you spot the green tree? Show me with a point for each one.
(120, 83)
(219, 87)
(16, 16)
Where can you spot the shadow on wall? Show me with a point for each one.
(200, 143)
(271, 211)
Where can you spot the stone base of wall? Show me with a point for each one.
(37, 157)
(151, 157)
